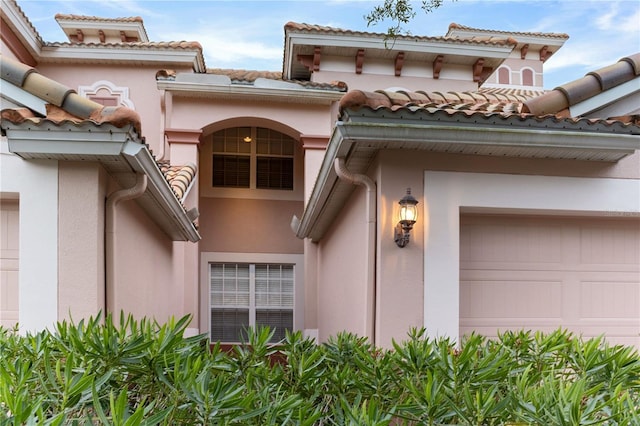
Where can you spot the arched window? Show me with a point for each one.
(527, 77)
(252, 157)
(504, 75)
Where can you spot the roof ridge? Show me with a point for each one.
(561, 98)
(294, 26)
(455, 26)
(97, 18)
(183, 44)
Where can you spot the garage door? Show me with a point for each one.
(541, 273)
(8, 263)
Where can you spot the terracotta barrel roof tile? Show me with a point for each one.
(579, 90)
(63, 104)
(489, 40)
(59, 16)
(79, 106)
(634, 61)
(549, 103)
(561, 98)
(46, 89)
(358, 98)
(14, 72)
(614, 75)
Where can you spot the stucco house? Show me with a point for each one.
(135, 178)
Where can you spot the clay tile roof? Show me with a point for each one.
(63, 104)
(61, 16)
(245, 75)
(454, 26)
(185, 45)
(178, 177)
(432, 101)
(250, 76)
(25, 19)
(560, 99)
(490, 40)
(507, 107)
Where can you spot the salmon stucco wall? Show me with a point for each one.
(248, 225)
(626, 168)
(400, 270)
(81, 279)
(215, 114)
(341, 289)
(144, 281)
(381, 76)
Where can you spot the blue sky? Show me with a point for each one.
(249, 34)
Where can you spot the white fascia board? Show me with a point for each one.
(55, 140)
(390, 132)
(152, 55)
(21, 97)
(291, 95)
(385, 136)
(457, 48)
(135, 26)
(605, 98)
(141, 160)
(106, 142)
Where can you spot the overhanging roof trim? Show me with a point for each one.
(300, 95)
(108, 145)
(444, 46)
(358, 143)
(124, 53)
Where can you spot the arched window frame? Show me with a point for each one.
(533, 77)
(501, 70)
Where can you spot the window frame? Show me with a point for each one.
(254, 156)
(207, 258)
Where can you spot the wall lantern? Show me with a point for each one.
(408, 216)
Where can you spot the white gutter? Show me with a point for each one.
(489, 134)
(156, 55)
(110, 230)
(142, 161)
(371, 290)
(300, 95)
(108, 145)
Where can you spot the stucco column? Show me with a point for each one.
(314, 147)
(183, 148)
(81, 194)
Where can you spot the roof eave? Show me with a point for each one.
(329, 193)
(22, 27)
(121, 153)
(101, 54)
(300, 96)
(459, 48)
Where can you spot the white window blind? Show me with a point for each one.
(245, 294)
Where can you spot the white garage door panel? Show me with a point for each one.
(541, 273)
(8, 263)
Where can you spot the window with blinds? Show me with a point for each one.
(248, 295)
(252, 157)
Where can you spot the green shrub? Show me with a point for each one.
(138, 372)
